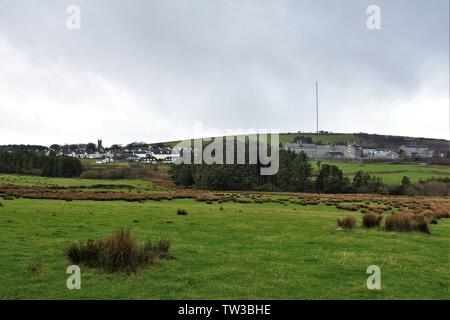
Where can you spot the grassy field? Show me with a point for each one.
(245, 251)
(393, 173)
(343, 138)
(22, 180)
(285, 138)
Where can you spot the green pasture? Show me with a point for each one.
(393, 173)
(244, 251)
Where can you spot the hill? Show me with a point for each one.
(363, 139)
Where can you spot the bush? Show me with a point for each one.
(429, 188)
(407, 221)
(182, 212)
(118, 252)
(371, 220)
(346, 223)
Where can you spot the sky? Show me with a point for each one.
(158, 70)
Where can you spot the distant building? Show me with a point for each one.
(353, 151)
(99, 145)
(326, 151)
(387, 154)
(104, 160)
(416, 151)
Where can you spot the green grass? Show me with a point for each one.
(341, 138)
(393, 173)
(66, 182)
(245, 251)
(336, 138)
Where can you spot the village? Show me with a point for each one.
(161, 153)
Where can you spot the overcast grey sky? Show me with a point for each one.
(147, 70)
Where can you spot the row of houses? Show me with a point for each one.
(353, 151)
(144, 154)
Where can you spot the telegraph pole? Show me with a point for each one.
(317, 107)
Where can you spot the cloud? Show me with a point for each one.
(53, 102)
(147, 70)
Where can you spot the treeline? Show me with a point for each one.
(293, 175)
(39, 164)
(296, 174)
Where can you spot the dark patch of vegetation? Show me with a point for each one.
(118, 252)
(331, 180)
(294, 174)
(24, 162)
(365, 183)
(182, 212)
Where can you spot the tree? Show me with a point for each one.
(331, 180)
(91, 147)
(365, 183)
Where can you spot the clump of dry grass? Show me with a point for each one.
(346, 223)
(407, 221)
(371, 220)
(118, 252)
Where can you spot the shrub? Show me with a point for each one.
(407, 221)
(346, 223)
(371, 220)
(429, 188)
(182, 212)
(118, 252)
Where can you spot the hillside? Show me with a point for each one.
(362, 139)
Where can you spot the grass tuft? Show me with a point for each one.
(182, 212)
(371, 220)
(346, 223)
(35, 267)
(118, 252)
(407, 221)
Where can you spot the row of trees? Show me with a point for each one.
(331, 180)
(295, 174)
(39, 164)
